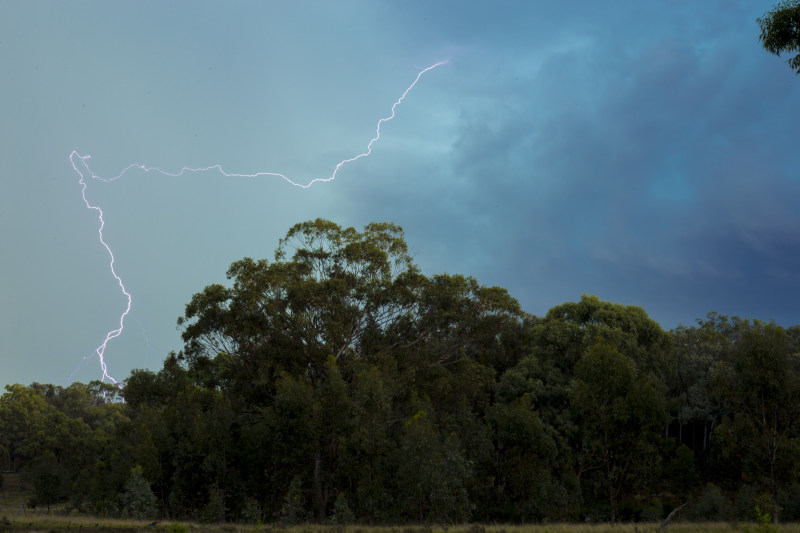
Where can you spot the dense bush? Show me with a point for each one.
(339, 384)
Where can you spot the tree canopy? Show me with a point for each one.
(338, 383)
(780, 31)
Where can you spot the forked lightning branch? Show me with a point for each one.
(80, 164)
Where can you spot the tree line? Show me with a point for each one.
(337, 383)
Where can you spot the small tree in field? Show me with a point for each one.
(48, 480)
(294, 509)
(138, 500)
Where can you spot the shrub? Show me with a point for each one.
(178, 528)
(712, 505)
(342, 514)
(251, 511)
(746, 499)
(653, 511)
(789, 502)
(214, 510)
(765, 524)
(293, 510)
(138, 500)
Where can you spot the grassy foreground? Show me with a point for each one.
(14, 517)
(32, 521)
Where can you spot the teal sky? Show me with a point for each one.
(645, 152)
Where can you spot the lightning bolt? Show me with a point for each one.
(81, 167)
(114, 333)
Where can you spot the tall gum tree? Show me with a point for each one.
(620, 413)
(334, 302)
(780, 31)
(761, 386)
(563, 337)
(290, 315)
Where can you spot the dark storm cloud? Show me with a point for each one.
(652, 163)
(645, 152)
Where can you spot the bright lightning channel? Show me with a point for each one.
(82, 169)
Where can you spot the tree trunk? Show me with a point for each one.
(611, 495)
(704, 436)
(774, 490)
(613, 502)
(319, 502)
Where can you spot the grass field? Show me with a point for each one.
(12, 493)
(14, 517)
(32, 521)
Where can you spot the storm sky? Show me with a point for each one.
(644, 152)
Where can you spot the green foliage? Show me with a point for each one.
(342, 514)
(653, 511)
(177, 527)
(746, 501)
(569, 329)
(712, 505)
(764, 525)
(24, 422)
(525, 453)
(789, 502)
(338, 384)
(682, 470)
(251, 512)
(49, 483)
(433, 473)
(761, 388)
(620, 411)
(294, 510)
(214, 510)
(138, 500)
(780, 31)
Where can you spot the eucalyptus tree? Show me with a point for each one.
(328, 292)
(293, 342)
(620, 414)
(761, 387)
(780, 31)
(696, 351)
(563, 338)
